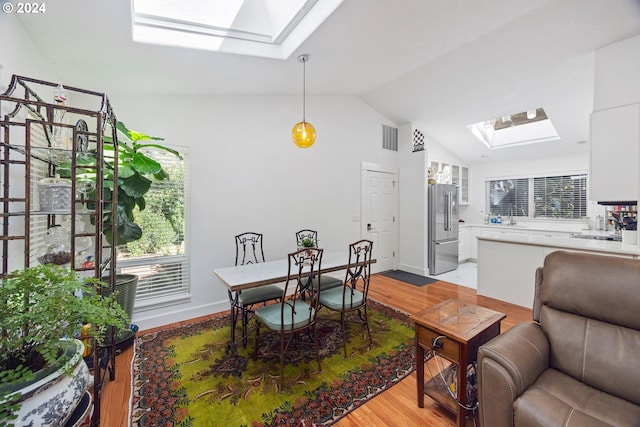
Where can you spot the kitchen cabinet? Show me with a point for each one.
(463, 244)
(468, 246)
(473, 245)
(453, 174)
(506, 271)
(507, 264)
(615, 153)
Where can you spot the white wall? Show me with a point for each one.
(412, 221)
(413, 227)
(245, 174)
(19, 55)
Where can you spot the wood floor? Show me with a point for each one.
(395, 407)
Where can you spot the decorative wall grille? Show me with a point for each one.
(389, 138)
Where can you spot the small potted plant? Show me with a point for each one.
(42, 309)
(306, 242)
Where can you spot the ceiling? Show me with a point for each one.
(439, 64)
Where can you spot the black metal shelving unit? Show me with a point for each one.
(41, 135)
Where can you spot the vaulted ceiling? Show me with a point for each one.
(439, 64)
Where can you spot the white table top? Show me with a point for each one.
(248, 276)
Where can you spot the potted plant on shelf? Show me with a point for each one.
(42, 309)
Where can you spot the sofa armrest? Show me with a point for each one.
(507, 365)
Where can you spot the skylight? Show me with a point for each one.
(267, 28)
(528, 127)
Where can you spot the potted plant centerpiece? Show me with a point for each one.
(42, 309)
(306, 242)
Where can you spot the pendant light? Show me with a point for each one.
(303, 133)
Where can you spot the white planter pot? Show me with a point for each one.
(50, 401)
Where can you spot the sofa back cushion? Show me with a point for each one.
(589, 307)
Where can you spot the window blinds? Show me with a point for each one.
(560, 196)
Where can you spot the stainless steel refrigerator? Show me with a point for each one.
(443, 228)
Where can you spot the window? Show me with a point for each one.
(527, 127)
(266, 28)
(560, 196)
(508, 197)
(160, 257)
(553, 197)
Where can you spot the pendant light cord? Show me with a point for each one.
(304, 87)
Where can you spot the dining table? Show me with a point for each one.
(247, 276)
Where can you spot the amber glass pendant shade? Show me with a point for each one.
(303, 134)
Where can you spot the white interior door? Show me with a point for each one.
(379, 216)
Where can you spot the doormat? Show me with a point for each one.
(183, 377)
(413, 279)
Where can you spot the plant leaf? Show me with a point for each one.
(160, 147)
(125, 170)
(135, 136)
(134, 186)
(127, 232)
(145, 165)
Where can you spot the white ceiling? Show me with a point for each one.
(440, 64)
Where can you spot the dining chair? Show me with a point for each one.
(327, 281)
(249, 250)
(296, 312)
(352, 295)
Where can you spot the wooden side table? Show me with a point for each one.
(454, 330)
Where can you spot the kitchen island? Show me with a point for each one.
(507, 261)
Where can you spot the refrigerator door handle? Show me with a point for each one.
(450, 209)
(446, 211)
(448, 242)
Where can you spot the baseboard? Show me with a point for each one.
(147, 320)
(413, 269)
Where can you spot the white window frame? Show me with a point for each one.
(530, 215)
(150, 264)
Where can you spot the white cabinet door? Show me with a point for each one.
(473, 245)
(464, 185)
(615, 153)
(463, 244)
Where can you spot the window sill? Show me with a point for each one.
(161, 302)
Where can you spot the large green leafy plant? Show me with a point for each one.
(39, 306)
(136, 172)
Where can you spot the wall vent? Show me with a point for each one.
(389, 138)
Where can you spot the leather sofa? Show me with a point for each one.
(578, 363)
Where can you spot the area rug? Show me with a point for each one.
(184, 377)
(411, 278)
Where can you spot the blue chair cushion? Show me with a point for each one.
(332, 298)
(328, 282)
(269, 315)
(259, 294)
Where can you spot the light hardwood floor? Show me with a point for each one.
(395, 407)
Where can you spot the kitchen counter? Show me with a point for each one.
(507, 261)
(569, 243)
(518, 227)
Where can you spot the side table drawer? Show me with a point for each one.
(449, 348)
